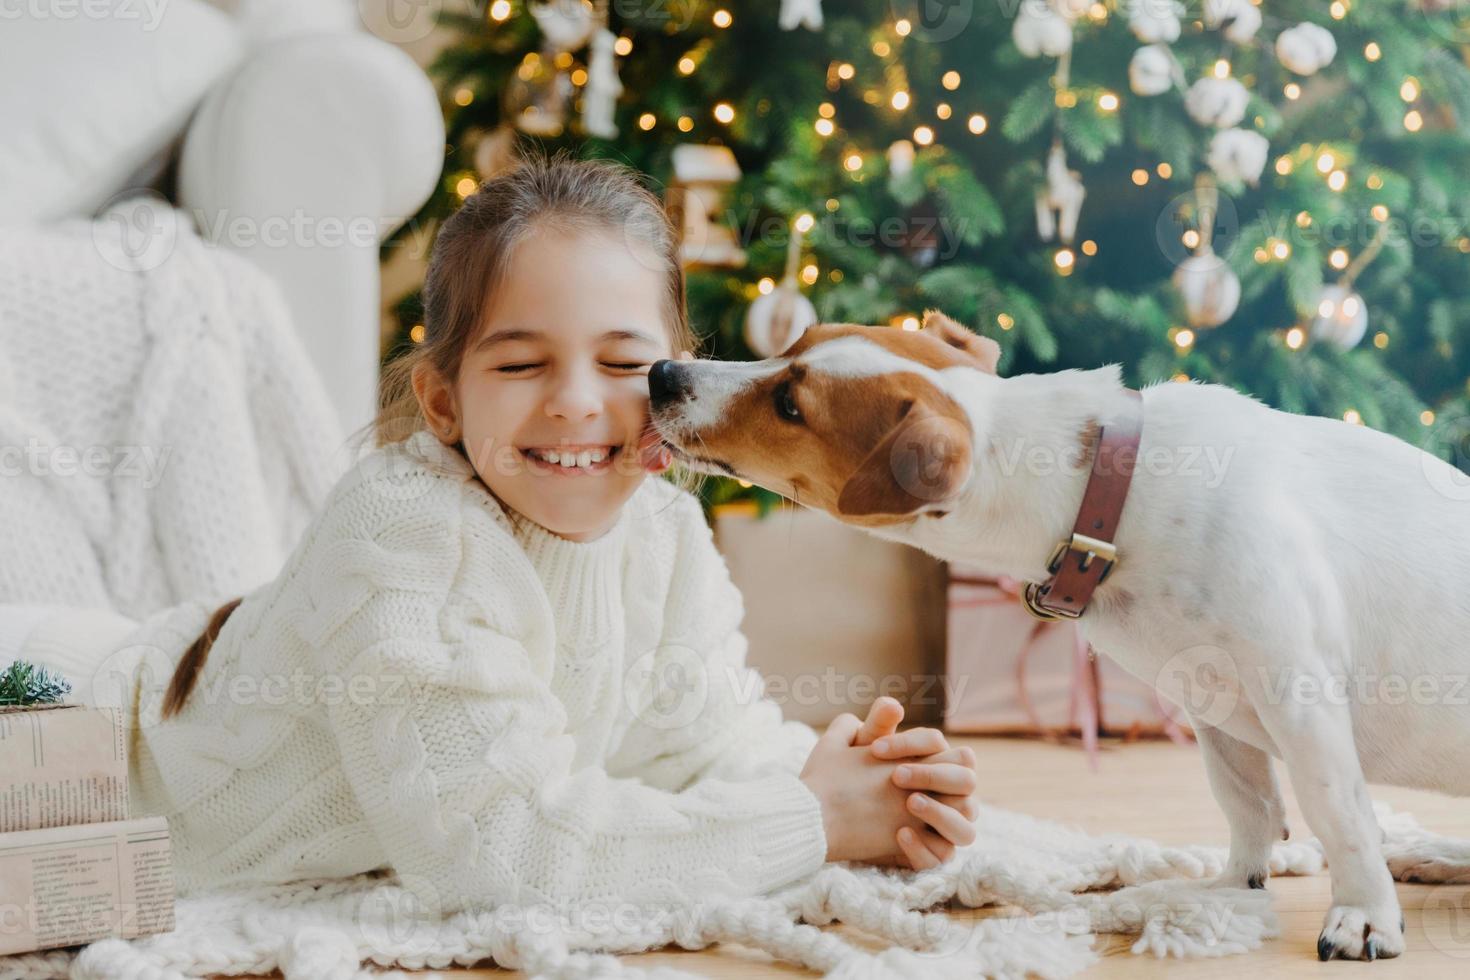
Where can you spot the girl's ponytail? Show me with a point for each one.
(186, 674)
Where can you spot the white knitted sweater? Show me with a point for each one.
(497, 713)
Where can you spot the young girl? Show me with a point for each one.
(515, 662)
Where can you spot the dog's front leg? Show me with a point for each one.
(1316, 743)
(1244, 783)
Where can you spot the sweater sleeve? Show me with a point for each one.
(705, 714)
(458, 752)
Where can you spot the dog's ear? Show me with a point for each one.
(982, 350)
(924, 459)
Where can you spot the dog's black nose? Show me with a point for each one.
(666, 383)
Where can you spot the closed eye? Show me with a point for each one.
(517, 368)
(786, 406)
(627, 366)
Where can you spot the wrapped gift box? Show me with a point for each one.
(60, 765)
(1013, 674)
(67, 885)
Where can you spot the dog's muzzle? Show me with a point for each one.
(668, 382)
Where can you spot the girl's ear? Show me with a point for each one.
(437, 402)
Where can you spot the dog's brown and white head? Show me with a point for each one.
(853, 420)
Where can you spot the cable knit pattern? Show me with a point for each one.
(163, 434)
(513, 717)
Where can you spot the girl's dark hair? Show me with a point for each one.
(470, 255)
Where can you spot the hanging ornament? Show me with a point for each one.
(537, 95)
(1218, 102)
(702, 177)
(600, 95)
(1237, 20)
(1059, 202)
(776, 319)
(1206, 283)
(919, 241)
(1209, 288)
(1238, 155)
(565, 25)
(1039, 30)
(1155, 21)
(495, 152)
(1153, 71)
(1070, 10)
(801, 13)
(1306, 48)
(900, 158)
(1342, 317)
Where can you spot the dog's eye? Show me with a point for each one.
(786, 404)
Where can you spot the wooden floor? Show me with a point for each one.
(1158, 790)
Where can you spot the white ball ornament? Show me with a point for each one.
(1218, 102)
(1342, 318)
(1155, 21)
(1040, 31)
(776, 319)
(1306, 48)
(1152, 70)
(1237, 20)
(1209, 288)
(1238, 155)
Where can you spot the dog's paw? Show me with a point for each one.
(1433, 860)
(1352, 933)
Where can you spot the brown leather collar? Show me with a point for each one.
(1080, 563)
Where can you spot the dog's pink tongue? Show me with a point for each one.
(652, 452)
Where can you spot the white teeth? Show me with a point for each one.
(569, 460)
(597, 456)
(552, 457)
(584, 458)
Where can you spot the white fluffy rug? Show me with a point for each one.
(1068, 887)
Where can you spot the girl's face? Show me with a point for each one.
(552, 395)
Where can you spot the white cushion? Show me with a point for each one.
(91, 90)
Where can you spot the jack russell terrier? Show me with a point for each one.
(1289, 581)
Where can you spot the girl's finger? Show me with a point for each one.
(915, 741)
(948, 822)
(842, 729)
(944, 777)
(965, 806)
(919, 856)
(883, 719)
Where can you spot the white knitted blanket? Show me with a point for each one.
(163, 434)
(1068, 887)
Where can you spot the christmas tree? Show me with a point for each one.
(1263, 196)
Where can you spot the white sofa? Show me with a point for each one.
(307, 142)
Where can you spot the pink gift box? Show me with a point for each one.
(1012, 674)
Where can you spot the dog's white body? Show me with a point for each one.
(1300, 586)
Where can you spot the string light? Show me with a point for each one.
(1098, 12)
(465, 186)
(1413, 122)
(1295, 337)
(685, 124)
(623, 46)
(579, 77)
(900, 100)
(1184, 339)
(1165, 171)
(1337, 180)
(825, 127)
(882, 49)
(942, 110)
(950, 80)
(1222, 68)
(978, 124)
(1372, 51)
(725, 112)
(901, 27)
(500, 10)
(1005, 321)
(1292, 91)
(1065, 99)
(1190, 238)
(1326, 162)
(1303, 220)
(853, 162)
(923, 135)
(766, 285)
(1351, 416)
(1375, 182)
(647, 121)
(416, 333)
(1260, 256)
(1140, 177)
(463, 96)
(909, 323)
(1107, 102)
(805, 222)
(1283, 165)
(826, 110)
(1338, 10)
(1180, 378)
(809, 274)
(1064, 260)
(1380, 340)
(1379, 212)
(686, 65)
(1338, 259)
(722, 18)
(1409, 91)
(1426, 417)
(1279, 249)
(1089, 247)
(845, 71)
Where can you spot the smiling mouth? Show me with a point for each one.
(571, 460)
